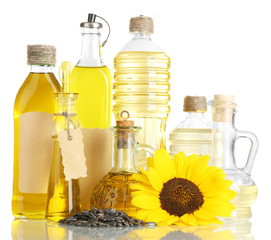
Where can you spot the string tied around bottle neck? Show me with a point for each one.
(69, 120)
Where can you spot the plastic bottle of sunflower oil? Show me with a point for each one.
(223, 118)
(142, 84)
(194, 134)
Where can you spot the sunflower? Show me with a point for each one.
(183, 191)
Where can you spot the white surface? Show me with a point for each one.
(215, 47)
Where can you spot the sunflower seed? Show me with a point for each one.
(103, 218)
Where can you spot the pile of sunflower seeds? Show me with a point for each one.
(102, 218)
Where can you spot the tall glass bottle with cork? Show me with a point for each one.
(194, 134)
(142, 84)
(91, 79)
(225, 131)
(33, 113)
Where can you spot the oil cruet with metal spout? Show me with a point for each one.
(225, 137)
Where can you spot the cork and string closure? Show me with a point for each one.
(141, 24)
(195, 104)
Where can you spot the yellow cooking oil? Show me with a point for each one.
(34, 96)
(142, 88)
(191, 141)
(93, 84)
(114, 191)
(246, 196)
(59, 206)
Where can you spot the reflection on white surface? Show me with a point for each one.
(43, 230)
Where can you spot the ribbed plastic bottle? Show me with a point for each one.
(142, 84)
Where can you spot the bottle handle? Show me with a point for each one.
(147, 148)
(253, 149)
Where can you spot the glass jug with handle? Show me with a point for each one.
(113, 190)
(225, 137)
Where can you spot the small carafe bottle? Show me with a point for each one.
(225, 132)
(91, 79)
(194, 134)
(63, 198)
(142, 84)
(113, 190)
(33, 114)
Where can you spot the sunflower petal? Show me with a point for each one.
(146, 201)
(163, 164)
(178, 163)
(150, 162)
(158, 216)
(155, 180)
(143, 214)
(189, 219)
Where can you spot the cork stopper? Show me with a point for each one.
(223, 108)
(141, 24)
(195, 104)
(124, 115)
(41, 55)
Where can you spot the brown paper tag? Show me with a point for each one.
(98, 152)
(72, 151)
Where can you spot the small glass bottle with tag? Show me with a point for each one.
(63, 195)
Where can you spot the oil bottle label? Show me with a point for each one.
(98, 152)
(35, 149)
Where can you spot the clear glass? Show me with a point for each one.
(34, 96)
(192, 136)
(142, 88)
(113, 190)
(63, 196)
(225, 136)
(92, 80)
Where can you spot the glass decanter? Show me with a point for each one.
(113, 190)
(225, 136)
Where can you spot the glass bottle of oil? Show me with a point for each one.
(63, 197)
(194, 134)
(91, 79)
(223, 118)
(33, 113)
(113, 190)
(142, 84)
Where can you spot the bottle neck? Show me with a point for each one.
(141, 36)
(124, 153)
(90, 53)
(224, 138)
(41, 69)
(65, 102)
(195, 115)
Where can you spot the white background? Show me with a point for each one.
(215, 47)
